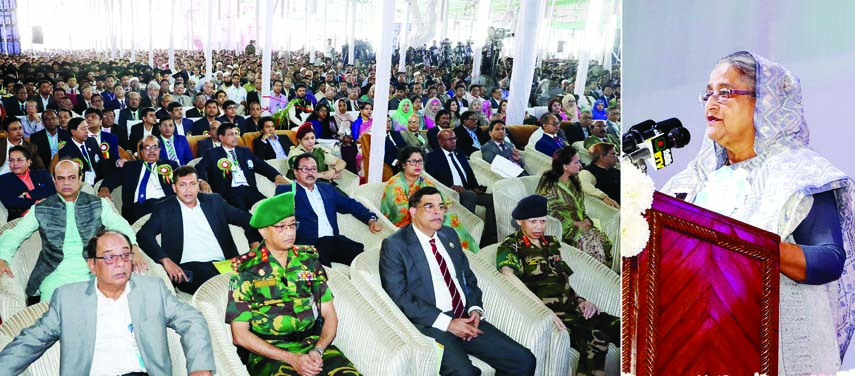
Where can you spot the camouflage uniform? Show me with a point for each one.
(278, 301)
(548, 277)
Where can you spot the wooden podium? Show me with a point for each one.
(702, 298)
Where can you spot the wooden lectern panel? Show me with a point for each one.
(702, 299)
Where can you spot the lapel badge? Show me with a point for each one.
(249, 164)
(451, 245)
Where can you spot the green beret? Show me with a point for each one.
(272, 210)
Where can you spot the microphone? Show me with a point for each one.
(651, 139)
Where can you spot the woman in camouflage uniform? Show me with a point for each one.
(280, 307)
(535, 259)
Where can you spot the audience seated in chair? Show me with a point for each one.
(499, 146)
(329, 166)
(173, 146)
(47, 140)
(21, 186)
(600, 179)
(268, 145)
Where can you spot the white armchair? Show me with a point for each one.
(522, 319)
(609, 219)
(484, 173)
(584, 156)
(13, 296)
(536, 162)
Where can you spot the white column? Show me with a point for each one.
(306, 27)
(119, 17)
(267, 49)
(403, 42)
(111, 16)
(151, 33)
(525, 54)
(595, 8)
(209, 54)
(385, 10)
(445, 20)
(351, 55)
(172, 37)
(257, 26)
(481, 22)
(133, 18)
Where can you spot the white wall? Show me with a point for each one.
(670, 46)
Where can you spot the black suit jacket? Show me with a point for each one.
(251, 96)
(128, 177)
(13, 107)
(201, 126)
(102, 167)
(136, 135)
(51, 105)
(437, 166)
(202, 146)
(121, 132)
(573, 132)
(465, 142)
(167, 222)
(40, 139)
(433, 137)
(405, 274)
(13, 187)
(263, 149)
(207, 169)
(195, 113)
(81, 106)
(392, 148)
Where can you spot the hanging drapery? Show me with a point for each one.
(525, 53)
(209, 68)
(402, 39)
(267, 52)
(151, 33)
(595, 10)
(385, 10)
(481, 23)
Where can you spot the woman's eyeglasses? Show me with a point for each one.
(723, 94)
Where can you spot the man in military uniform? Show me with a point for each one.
(535, 259)
(280, 307)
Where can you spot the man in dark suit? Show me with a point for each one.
(132, 111)
(163, 111)
(270, 145)
(210, 142)
(235, 183)
(443, 121)
(84, 99)
(16, 195)
(394, 143)
(173, 147)
(108, 124)
(143, 181)
(424, 271)
(550, 141)
(14, 137)
(47, 140)
(498, 145)
(194, 231)
(198, 109)
(140, 130)
(17, 105)
(87, 150)
(496, 98)
(44, 98)
(470, 137)
(316, 206)
(182, 125)
(204, 124)
(231, 116)
(107, 143)
(451, 168)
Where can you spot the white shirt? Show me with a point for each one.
(179, 127)
(317, 203)
(5, 167)
(200, 244)
(237, 94)
(152, 189)
(440, 290)
(238, 175)
(116, 349)
(456, 178)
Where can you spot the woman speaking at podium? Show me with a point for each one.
(755, 166)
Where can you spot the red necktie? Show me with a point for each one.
(456, 303)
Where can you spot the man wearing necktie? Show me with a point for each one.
(144, 182)
(470, 136)
(550, 142)
(17, 105)
(87, 150)
(499, 146)
(426, 274)
(174, 147)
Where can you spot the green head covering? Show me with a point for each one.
(272, 210)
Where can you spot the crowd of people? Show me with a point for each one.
(172, 140)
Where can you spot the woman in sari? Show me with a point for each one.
(329, 166)
(399, 188)
(363, 123)
(324, 124)
(432, 106)
(561, 186)
(755, 166)
(533, 259)
(454, 108)
(401, 115)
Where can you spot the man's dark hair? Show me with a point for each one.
(209, 101)
(546, 116)
(296, 161)
(442, 112)
(494, 122)
(299, 85)
(407, 152)
(8, 121)
(182, 172)
(401, 87)
(265, 119)
(228, 103)
(466, 115)
(64, 110)
(92, 246)
(416, 198)
(74, 123)
(93, 110)
(21, 149)
(221, 131)
(172, 106)
(145, 111)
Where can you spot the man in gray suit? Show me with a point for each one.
(424, 271)
(498, 145)
(113, 325)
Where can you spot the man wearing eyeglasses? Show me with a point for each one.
(143, 182)
(194, 232)
(280, 307)
(550, 141)
(424, 271)
(470, 136)
(231, 116)
(113, 324)
(317, 204)
(64, 222)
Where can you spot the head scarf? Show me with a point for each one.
(430, 116)
(475, 107)
(600, 115)
(400, 118)
(781, 178)
(343, 119)
(570, 110)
